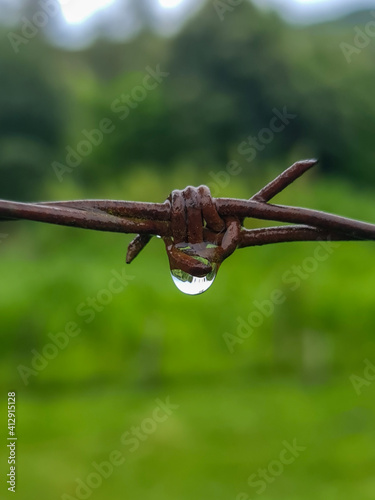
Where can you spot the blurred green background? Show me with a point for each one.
(226, 67)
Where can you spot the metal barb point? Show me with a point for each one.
(195, 227)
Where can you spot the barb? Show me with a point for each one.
(198, 230)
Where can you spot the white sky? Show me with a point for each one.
(82, 17)
(77, 11)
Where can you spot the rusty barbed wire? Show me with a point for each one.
(199, 231)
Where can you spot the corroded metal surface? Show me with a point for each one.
(198, 230)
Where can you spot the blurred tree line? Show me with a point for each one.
(203, 97)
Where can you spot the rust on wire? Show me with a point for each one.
(199, 231)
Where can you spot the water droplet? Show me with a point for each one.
(191, 285)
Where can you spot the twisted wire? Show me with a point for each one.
(198, 230)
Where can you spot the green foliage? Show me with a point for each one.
(242, 390)
(31, 123)
(289, 379)
(64, 267)
(225, 81)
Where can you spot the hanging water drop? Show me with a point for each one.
(191, 285)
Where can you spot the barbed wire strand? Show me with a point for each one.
(192, 216)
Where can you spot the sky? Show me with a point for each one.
(78, 11)
(311, 11)
(82, 20)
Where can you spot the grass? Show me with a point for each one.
(221, 434)
(289, 379)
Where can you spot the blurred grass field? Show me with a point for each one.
(207, 116)
(289, 380)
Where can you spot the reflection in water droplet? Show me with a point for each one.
(191, 285)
